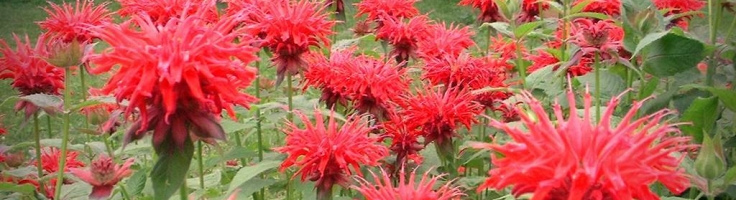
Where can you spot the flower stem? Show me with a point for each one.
(84, 97)
(520, 64)
(64, 134)
(48, 126)
(597, 88)
(37, 136)
(290, 117)
(713, 16)
(201, 164)
(324, 193)
(257, 111)
(183, 191)
(108, 145)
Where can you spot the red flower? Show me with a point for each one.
(496, 79)
(30, 73)
(540, 60)
(444, 42)
(372, 84)
(505, 47)
(380, 10)
(384, 189)
(439, 113)
(103, 175)
(180, 76)
(161, 11)
(362, 28)
(404, 37)
(674, 7)
(68, 22)
(329, 75)
(48, 191)
(50, 159)
(253, 9)
(488, 10)
(608, 7)
(530, 9)
(603, 36)
(577, 158)
(290, 29)
(466, 72)
(404, 141)
(325, 153)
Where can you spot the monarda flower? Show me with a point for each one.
(603, 36)
(505, 47)
(380, 10)
(404, 36)
(325, 153)
(161, 11)
(496, 78)
(466, 72)
(50, 157)
(373, 84)
(290, 29)
(71, 22)
(103, 175)
(438, 113)
(575, 157)
(674, 7)
(180, 76)
(328, 75)
(489, 11)
(30, 73)
(445, 42)
(530, 9)
(384, 189)
(404, 142)
(540, 60)
(609, 7)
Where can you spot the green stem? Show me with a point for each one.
(48, 126)
(108, 145)
(183, 194)
(290, 117)
(257, 111)
(565, 13)
(730, 28)
(37, 136)
(201, 164)
(597, 88)
(520, 64)
(124, 191)
(713, 16)
(65, 134)
(84, 97)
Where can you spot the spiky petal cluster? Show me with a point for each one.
(404, 141)
(576, 158)
(445, 42)
(290, 29)
(50, 157)
(489, 11)
(608, 7)
(161, 11)
(103, 175)
(674, 7)
(467, 72)
(379, 10)
(70, 22)
(541, 59)
(404, 37)
(384, 189)
(328, 74)
(180, 76)
(603, 35)
(504, 47)
(325, 152)
(439, 112)
(531, 8)
(29, 72)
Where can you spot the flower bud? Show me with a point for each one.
(710, 163)
(64, 54)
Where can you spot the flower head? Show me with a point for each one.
(608, 7)
(603, 35)
(384, 189)
(505, 47)
(601, 160)
(531, 9)
(540, 60)
(180, 76)
(50, 159)
(404, 141)
(325, 152)
(290, 29)
(103, 175)
(328, 74)
(466, 72)
(380, 10)
(161, 11)
(404, 37)
(489, 11)
(70, 22)
(674, 7)
(372, 84)
(445, 41)
(362, 27)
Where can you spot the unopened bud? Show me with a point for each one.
(710, 163)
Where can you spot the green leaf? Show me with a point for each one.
(210, 180)
(672, 54)
(137, 182)
(48, 103)
(647, 40)
(347, 43)
(660, 102)
(27, 189)
(702, 113)
(235, 153)
(580, 6)
(588, 15)
(730, 176)
(611, 84)
(727, 97)
(230, 126)
(249, 172)
(648, 88)
(501, 27)
(78, 190)
(170, 171)
(253, 185)
(526, 28)
(22, 172)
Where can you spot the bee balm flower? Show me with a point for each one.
(103, 175)
(384, 188)
(67, 22)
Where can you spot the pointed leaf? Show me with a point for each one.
(647, 40)
(249, 172)
(27, 189)
(253, 185)
(526, 28)
(727, 97)
(672, 54)
(170, 171)
(702, 114)
(137, 182)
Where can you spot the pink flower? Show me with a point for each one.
(379, 10)
(103, 175)
(67, 22)
(445, 42)
(404, 36)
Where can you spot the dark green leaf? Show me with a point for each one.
(235, 153)
(249, 172)
(647, 40)
(702, 114)
(137, 182)
(210, 180)
(170, 171)
(27, 189)
(526, 28)
(660, 102)
(728, 97)
(611, 84)
(672, 54)
(648, 88)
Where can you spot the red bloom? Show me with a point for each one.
(384, 188)
(674, 7)
(380, 10)
(180, 76)
(325, 153)
(372, 84)
(496, 79)
(329, 75)
(404, 37)
(290, 29)
(404, 141)
(444, 42)
(602, 36)
(530, 9)
(3, 129)
(253, 9)
(608, 7)
(541, 59)
(603, 161)
(439, 113)
(50, 159)
(488, 10)
(505, 47)
(68, 22)
(362, 28)
(30, 73)
(161, 11)
(466, 72)
(103, 175)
